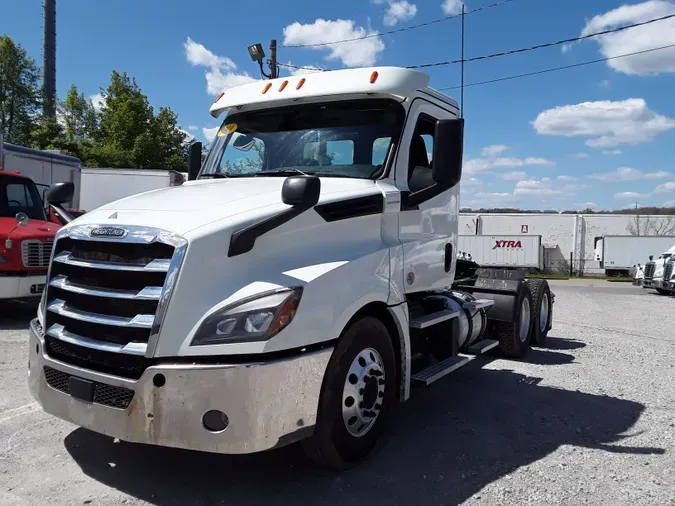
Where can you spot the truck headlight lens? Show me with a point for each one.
(253, 319)
(659, 273)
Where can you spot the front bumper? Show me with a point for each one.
(21, 287)
(268, 404)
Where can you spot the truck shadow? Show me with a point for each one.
(443, 446)
(16, 315)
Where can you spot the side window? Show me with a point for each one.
(419, 158)
(18, 196)
(380, 148)
(245, 155)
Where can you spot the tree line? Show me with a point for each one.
(126, 132)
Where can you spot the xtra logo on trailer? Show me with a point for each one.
(501, 244)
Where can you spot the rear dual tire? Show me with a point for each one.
(515, 336)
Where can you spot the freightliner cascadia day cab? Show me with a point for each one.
(294, 289)
(659, 274)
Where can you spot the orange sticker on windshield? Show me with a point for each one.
(227, 129)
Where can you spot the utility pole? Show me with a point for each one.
(274, 70)
(461, 98)
(49, 60)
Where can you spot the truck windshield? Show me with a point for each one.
(335, 139)
(20, 195)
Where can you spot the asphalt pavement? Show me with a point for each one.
(590, 419)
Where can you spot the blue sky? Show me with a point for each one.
(600, 135)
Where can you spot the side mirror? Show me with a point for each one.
(194, 160)
(301, 191)
(22, 219)
(448, 152)
(60, 193)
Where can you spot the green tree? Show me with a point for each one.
(78, 115)
(19, 92)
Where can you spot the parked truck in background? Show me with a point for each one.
(26, 238)
(510, 251)
(295, 289)
(619, 254)
(658, 273)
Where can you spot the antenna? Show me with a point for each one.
(461, 93)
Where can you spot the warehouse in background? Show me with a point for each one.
(569, 240)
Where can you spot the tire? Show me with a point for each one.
(336, 444)
(513, 343)
(662, 291)
(542, 310)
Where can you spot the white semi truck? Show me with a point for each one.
(294, 289)
(659, 274)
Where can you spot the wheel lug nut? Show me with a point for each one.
(381, 382)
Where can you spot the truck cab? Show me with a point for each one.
(301, 283)
(26, 238)
(658, 273)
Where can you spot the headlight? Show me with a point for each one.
(659, 273)
(257, 318)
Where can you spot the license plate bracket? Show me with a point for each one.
(81, 389)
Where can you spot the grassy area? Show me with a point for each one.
(612, 279)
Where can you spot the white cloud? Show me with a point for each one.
(452, 7)
(493, 151)
(193, 128)
(627, 174)
(670, 203)
(611, 152)
(188, 136)
(653, 35)
(631, 195)
(586, 205)
(98, 101)
(210, 133)
(581, 155)
(398, 11)
(491, 160)
(606, 123)
(220, 74)
(357, 53)
(665, 187)
(567, 179)
(514, 176)
(535, 187)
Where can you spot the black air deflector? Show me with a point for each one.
(351, 208)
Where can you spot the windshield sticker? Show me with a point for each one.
(227, 129)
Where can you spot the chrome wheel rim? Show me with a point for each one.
(363, 392)
(524, 320)
(543, 313)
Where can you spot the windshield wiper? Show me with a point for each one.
(283, 172)
(214, 175)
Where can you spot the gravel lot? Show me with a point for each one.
(589, 420)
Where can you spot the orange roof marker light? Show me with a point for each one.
(283, 85)
(300, 83)
(267, 87)
(220, 95)
(373, 77)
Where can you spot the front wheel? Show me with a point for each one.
(356, 396)
(662, 291)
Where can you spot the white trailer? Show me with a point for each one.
(288, 296)
(620, 254)
(97, 187)
(511, 251)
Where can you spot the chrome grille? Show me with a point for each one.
(36, 253)
(650, 267)
(106, 297)
(668, 271)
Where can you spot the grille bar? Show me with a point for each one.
(650, 267)
(147, 293)
(157, 265)
(668, 271)
(141, 321)
(59, 332)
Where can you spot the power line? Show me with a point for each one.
(404, 29)
(554, 69)
(515, 51)
(540, 46)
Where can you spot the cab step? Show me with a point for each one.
(472, 305)
(429, 320)
(438, 370)
(482, 346)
